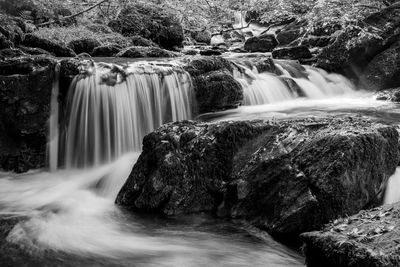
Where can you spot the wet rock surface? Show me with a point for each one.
(213, 83)
(262, 43)
(217, 90)
(25, 91)
(286, 177)
(369, 238)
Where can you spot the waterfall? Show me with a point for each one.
(110, 111)
(52, 146)
(294, 81)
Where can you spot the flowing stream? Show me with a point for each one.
(69, 213)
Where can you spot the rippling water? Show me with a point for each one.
(70, 220)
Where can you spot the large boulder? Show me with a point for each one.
(286, 177)
(59, 50)
(369, 239)
(213, 82)
(106, 51)
(217, 90)
(144, 51)
(297, 52)
(84, 45)
(150, 22)
(291, 32)
(262, 43)
(354, 48)
(25, 90)
(384, 70)
(203, 37)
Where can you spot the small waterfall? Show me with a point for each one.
(392, 194)
(294, 81)
(109, 112)
(52, 146)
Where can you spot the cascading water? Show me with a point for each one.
(110, 111)
(107, 113)
(293, 82)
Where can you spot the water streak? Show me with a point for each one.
(270, 88)
(111, 111)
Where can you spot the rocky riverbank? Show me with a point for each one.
(286, 178)
(369, 238)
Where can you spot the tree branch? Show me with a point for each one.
(73, 15)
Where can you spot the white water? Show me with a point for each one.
(268, 88)
(392, 194)
(108, 119)
(72, 210)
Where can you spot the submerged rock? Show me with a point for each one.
(262, 43)
(369, 238)
(32, 40)
(286, 178)
(25, 90)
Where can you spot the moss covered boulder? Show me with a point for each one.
(384, 70)
(286, 177)
(59, 50)
(84, 45)
(213, 82)
(217, 90)
(262, 43)
(150, 22)
(368, 239)
(25, 91)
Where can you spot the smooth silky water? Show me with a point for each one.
(69, 211)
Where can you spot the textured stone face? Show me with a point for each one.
(263, 43)
(25, 91)
(286, 177)
(369, 238)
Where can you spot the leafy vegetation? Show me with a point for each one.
(64, 35)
